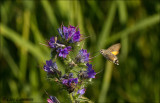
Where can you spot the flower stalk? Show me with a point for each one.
(78, 71)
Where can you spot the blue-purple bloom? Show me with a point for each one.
(82, 56)
(51, 42)
(90, 71)
(50, 67)
(69, 81)
(70, 34)
(70, 84)
(81, 91)
(64, 52)
(75, 80)
(53, 99)
(76, 37)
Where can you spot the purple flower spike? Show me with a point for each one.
(50, 67)
(81, 91)
(83, 56)
(53, 99)
(64, 52)
(90, 71)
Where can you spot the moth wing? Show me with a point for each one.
(111, 57)
(114, 49)
(108, 55)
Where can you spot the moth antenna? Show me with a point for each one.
(94, 56)
(85, 37)
(99, 71)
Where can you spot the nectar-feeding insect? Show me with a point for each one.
(111, 53)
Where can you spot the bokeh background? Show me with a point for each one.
(24, 24)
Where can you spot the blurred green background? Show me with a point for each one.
(24, 24)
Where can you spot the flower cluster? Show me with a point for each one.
(78, 71)
(70, 34)
(60, 48)
(83, 56)
(64, 52)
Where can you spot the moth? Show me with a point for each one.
(111, 53)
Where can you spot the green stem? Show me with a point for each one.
(106, 82)
(71, 97)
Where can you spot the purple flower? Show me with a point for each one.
(70, 84)
(82, 56)
(90, 71)
(76, 37)
(81, 91)
(54, 43)
(65, 81)
(53, 99)
(50, 67)
(49, 101)
(65, 31)
(69, 81)
(70, 34)
(87, 74)
(64, 52)
(72, 31)
(51, 42)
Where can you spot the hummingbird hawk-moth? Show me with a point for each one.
(111, 53)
